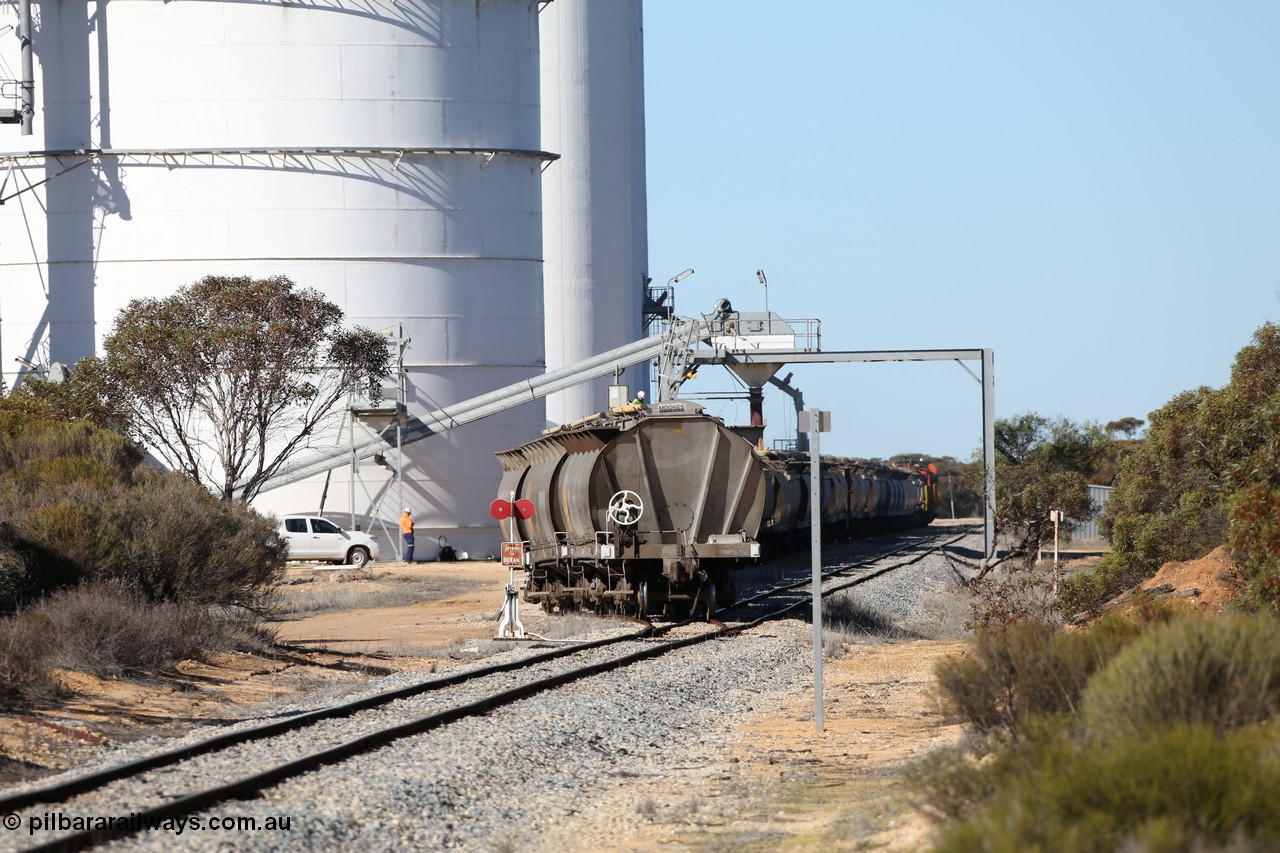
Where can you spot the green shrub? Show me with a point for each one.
(40, 443)
(1222, 673)
(1253, 532)
(1172, 789)
(75, 504)
(67, 525)
(1084, 591)
(1158, 737)
(28, 571)
(176, 542)
(1030, 669)
(1207, 472)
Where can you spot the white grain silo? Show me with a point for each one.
(385, 152)
(595, 223)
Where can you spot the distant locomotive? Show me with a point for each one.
(641, 507)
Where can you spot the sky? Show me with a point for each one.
(1091, 190)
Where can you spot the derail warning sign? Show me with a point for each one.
(513, 553)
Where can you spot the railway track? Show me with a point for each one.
(843, 574)
(332, 735)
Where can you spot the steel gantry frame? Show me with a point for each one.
(986, 379)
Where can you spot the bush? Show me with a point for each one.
(1012, 593)
(1028, 670)
(104, 630)
(1084, 591)
(951, 783)
(1186, 533)
(1153, 737)
(1174, 789)
(76, 504)
(1205, 473)
(47, 454)
(26, 645)
(101, 629)
(173, 541)
(1221, 673)
(28, 571)
(1253, 532)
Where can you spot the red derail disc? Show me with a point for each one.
(502, 510)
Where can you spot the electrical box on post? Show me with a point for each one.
(618, 396)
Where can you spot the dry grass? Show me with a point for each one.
(106, 630)
(361, 591)
(847, 622)
(573, 626)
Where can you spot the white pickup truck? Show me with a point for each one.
(318, 540)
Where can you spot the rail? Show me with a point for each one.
(256, 782)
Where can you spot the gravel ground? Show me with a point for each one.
(526, 777)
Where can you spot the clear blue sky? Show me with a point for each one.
(1091, 189)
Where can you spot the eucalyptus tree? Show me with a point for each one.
(1204, 475)
(1042, 466)
(229, 377)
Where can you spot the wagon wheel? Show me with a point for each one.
(596, 595)
(625, 508)
(563, 599)
(622, 598)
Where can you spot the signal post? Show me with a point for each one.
(510, 627)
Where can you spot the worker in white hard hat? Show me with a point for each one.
(639, 400)
(406, 530)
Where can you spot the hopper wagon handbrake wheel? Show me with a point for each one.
(625, 508)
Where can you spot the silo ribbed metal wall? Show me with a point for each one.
(386, 153)
(596, 242)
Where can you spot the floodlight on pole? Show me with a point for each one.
(761, 278)
(670, 296)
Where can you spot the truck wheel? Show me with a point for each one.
(358, 557)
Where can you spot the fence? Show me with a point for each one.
(1088, 529)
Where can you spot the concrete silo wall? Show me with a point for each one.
(385, 153)
(596, 236)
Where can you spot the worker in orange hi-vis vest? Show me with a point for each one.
(406, 530)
